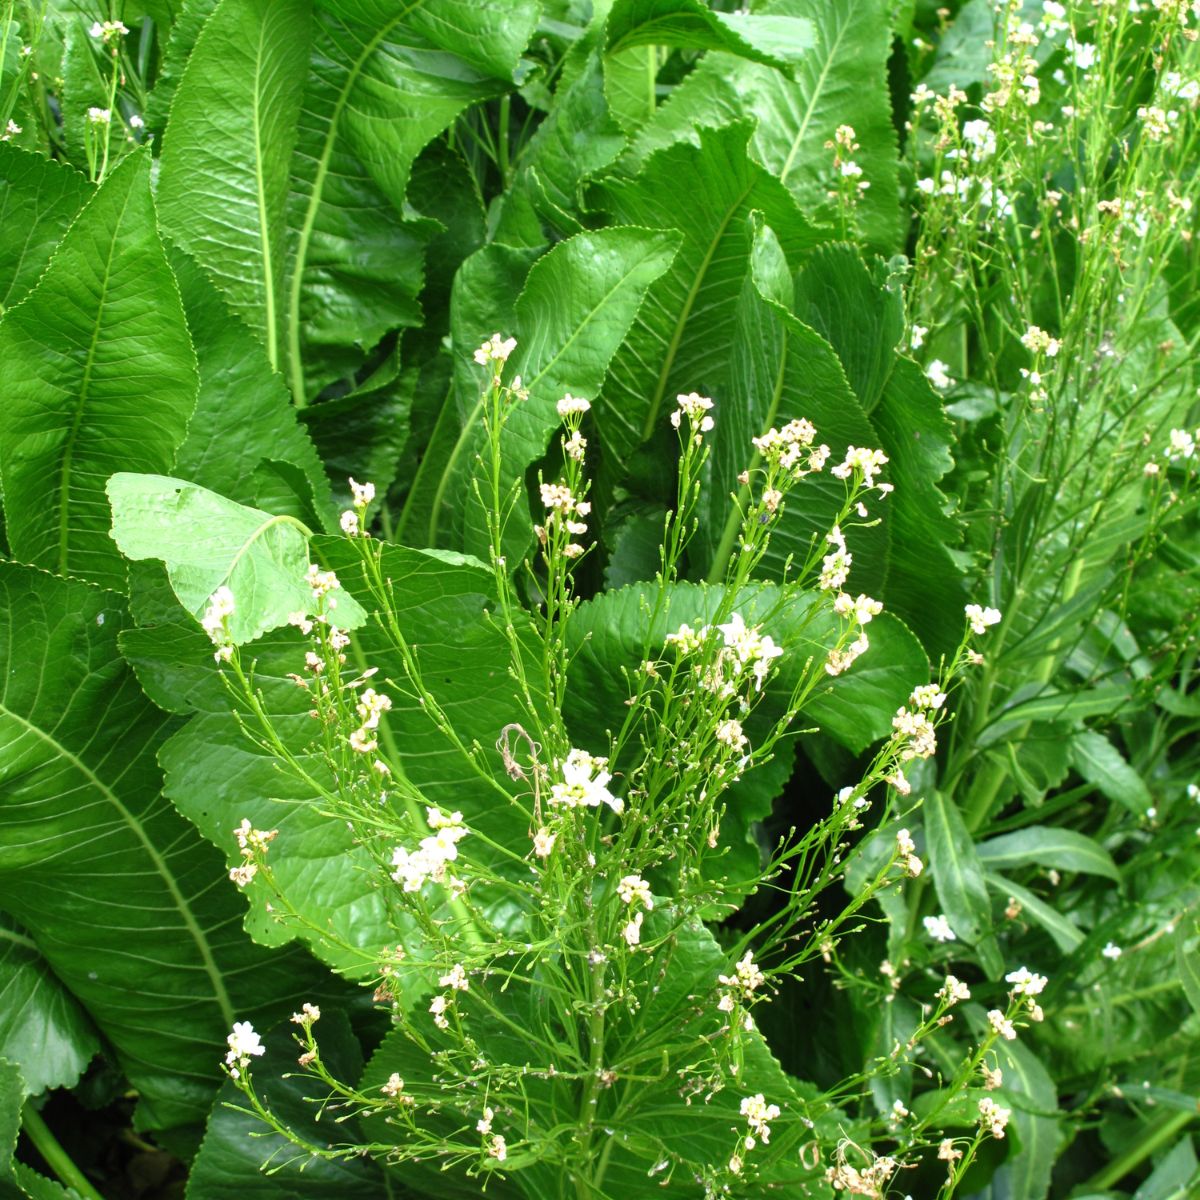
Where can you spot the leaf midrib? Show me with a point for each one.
(812, 104)
(220, 993)
(64, 483)
(473, 416)
(314, 204)
(686, 311)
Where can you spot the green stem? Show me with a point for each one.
(1157, 1134)
(57, 1159)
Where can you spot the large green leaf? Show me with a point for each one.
(577, 305)
(123, 900)
(244, 433)
(778, 41)
(18, 1181)
(97, 374)
(387, 77)
(42, 1027)
(1105, 767)
(227, 148)
(1029, 1088)
(40, 197)
(843, 80)
(208, 542)
(236, 1146)
(678, 343)
(215, 775)
(783, 369)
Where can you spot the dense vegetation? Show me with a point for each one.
(599, 598)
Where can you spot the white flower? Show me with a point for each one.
(498, 1148)
(1081, 54)
(456, 978)
(634, 888)
(916, 339)
(393, 1087)
(928, 695)
(861, 459)
(484, 1124)
(136, 122)
(632, 932)
(938, 374)
(543, 843)
(758, 1112)
(349, 522)
(363, 493)
(993, 1117)
(215, 619)
(99, 116)
(939, 929)
(747, 977)
(495, 349)
(981, 137)
(571, 405)
(309, 1014)
(697, 409)
(585, 782)
(243, 1044)
(729, 733)
(1001, 1024)
(1025, 982)
(982, 618)
(954, 991)
(1181, 444)
(243, 873)
(363, 741)
(1111, 951)
(438, 1006)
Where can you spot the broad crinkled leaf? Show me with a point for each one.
(841, 80)
(207, 542)
(679, 342)
(387, 77)
(577, 305)
(776, 40)
(40, 198)
(227, 149)
(42, 1027)
(129, 908)
(97, 375)
(243, 416)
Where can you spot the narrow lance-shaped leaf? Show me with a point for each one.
(97, 375)
(227, 149)
(124, 901)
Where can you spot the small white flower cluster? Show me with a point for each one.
(758, 1112)
(563, 506)
(371, 706)
(10, 131)
(243, 1044)
(939, 929)
(739, 988)
(414, 868)
(745, 649)
(1157, 123)
(108, 31)
(915, 734)
(698, 411)
(571, 409)
(992, 1117)
(308, 1015)
(352, 520)
(393, 1089)
(979, 138)
(455, 980)
(860, 610)
(252, 844)
(99, 116)
(215, 622)
(870, 1180)
(835, 566)
(791, 448)
(633, 889)
(938, 373)
(1038, 341)
(584, 783)
(1054, 18)
(495, 350)
(843, 145)
(912, 865)
(953, 991)
(1181, 444)
(1027, 986)
(982, 619)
